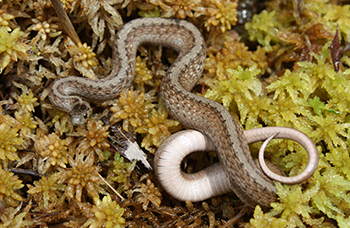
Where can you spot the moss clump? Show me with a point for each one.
(9, 184)
(282, 77)
(107, 213)
(9, 141)
(11, 46)
(122, 170)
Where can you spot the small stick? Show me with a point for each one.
(65, 21)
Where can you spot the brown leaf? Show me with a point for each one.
(336, 51)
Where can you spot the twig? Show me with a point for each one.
(65, 21)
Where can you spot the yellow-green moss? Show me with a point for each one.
(287, 81)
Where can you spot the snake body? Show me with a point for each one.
(248, 182)
(212, 180)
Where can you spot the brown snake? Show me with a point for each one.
(196, 112)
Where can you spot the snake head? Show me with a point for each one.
(79, 113)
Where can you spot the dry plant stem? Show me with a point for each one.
(65, 21)
(110, 186)
(25, 172)
(196, 112)
(235, 219)
(212, 181)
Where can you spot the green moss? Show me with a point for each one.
(150, 13)
(10, 46)
(314, 99)
(262, 220)
(332, 15)
(9, 184)
(107, 213)
(263, 28)
(121, 169)
(306, 94)
(242, 82)
(9, 141)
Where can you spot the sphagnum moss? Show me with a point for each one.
(157, 128)
(122, 169)
(107, 214)
(11, 217)
(9, 184)
(84, 59)
(82, 175)
(9, 141)
(12, 46)
(47, 192)
(52, 151)
(302, 91)
(94, 138)
(131, 107)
